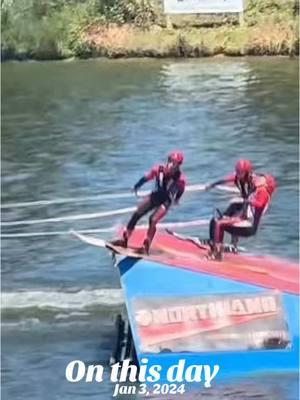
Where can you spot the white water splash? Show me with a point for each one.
(62, 300)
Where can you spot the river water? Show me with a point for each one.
(85, 128)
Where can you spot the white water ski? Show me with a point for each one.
(97, 242)
(115, 250)
(198, 242)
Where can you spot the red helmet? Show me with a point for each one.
(176, 157)
(266, 181)
(243, 167)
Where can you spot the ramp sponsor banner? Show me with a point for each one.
(211, 323)
(203, 6)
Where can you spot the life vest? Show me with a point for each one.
(245, 188)
(268, 182)
(166, 183)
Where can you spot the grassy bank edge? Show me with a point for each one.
(127, 42)
(60, 29)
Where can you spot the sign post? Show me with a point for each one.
(204, 7)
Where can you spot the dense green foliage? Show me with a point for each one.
(52, 29)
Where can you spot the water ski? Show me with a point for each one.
(93, 241)
(192, 239)
(126, 251)
(97, 242)
(204, 244)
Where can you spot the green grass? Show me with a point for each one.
(54, 29)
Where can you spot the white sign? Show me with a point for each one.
(203, 6)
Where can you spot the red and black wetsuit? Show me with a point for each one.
(169, 187)
(243, 225)
(245, 188)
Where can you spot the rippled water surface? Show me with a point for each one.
(81, 129)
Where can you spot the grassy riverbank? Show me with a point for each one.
(57, 29)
